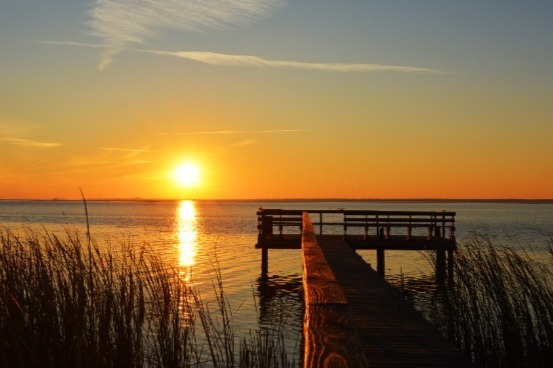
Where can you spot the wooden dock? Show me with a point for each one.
(353, 317)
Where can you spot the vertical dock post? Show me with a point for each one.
(380, 265)
(264, 263)
(440, 266)
(450, 266)
(266, 230)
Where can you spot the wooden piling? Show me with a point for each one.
(264, 262)
(450, 266)
(380, 261)
(440, 266)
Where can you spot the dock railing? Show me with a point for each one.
(365, 229)
(439, 224)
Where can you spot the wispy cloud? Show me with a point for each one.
(129, 151)
(220, 59)
(12, 130)
(110, 158)
(120, 23)
(15, 126)
(29, 142)
(214, 58)
(248, 142)
(229, 132)
(124, 156)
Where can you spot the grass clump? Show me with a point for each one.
(69, 303)
(500, 309)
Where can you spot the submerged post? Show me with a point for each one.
(440, 266)
(265, 227)
(380, 262)
(264, 262)
(450, 266)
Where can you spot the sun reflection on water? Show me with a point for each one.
(186, 234)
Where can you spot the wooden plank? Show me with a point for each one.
(331, 339)
(396, 242)
(279, 242)
(378, 212)
(392, 332)
(320, 284)
(330, 336)
(400, 242)
(275, 211)
(399, 219)
(287, 219)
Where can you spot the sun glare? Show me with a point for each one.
(187, 175)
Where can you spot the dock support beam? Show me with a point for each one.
(450, 266)
(440, 266)
(266, 227)
(380, 264)
(264, 263)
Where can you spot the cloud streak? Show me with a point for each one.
(29, 142)
(129, 151)
(214, 58)
(120, 23)
(230, 132)
(233, 60)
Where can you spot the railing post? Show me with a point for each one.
(452, 230)
(366, 228)
(266, 226)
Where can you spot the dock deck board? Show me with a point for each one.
(392, 332)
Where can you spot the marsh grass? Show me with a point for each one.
(500, 309)
(69, 303)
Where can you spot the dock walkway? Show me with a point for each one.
(391, 331)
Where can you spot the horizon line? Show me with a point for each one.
(337, 199)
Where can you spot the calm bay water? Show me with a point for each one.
(198, 236)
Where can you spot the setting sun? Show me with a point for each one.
(187, 174)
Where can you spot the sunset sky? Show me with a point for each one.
(276, 98)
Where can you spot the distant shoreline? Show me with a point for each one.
(292, 200)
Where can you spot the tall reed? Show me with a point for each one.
(500, 309)
(65, 303)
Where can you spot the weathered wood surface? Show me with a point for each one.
(331, 339)
(321, 286)
(392, 332)
(395, 242)
(330, 336)
(279, 242)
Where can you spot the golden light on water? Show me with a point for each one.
(186, 234)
